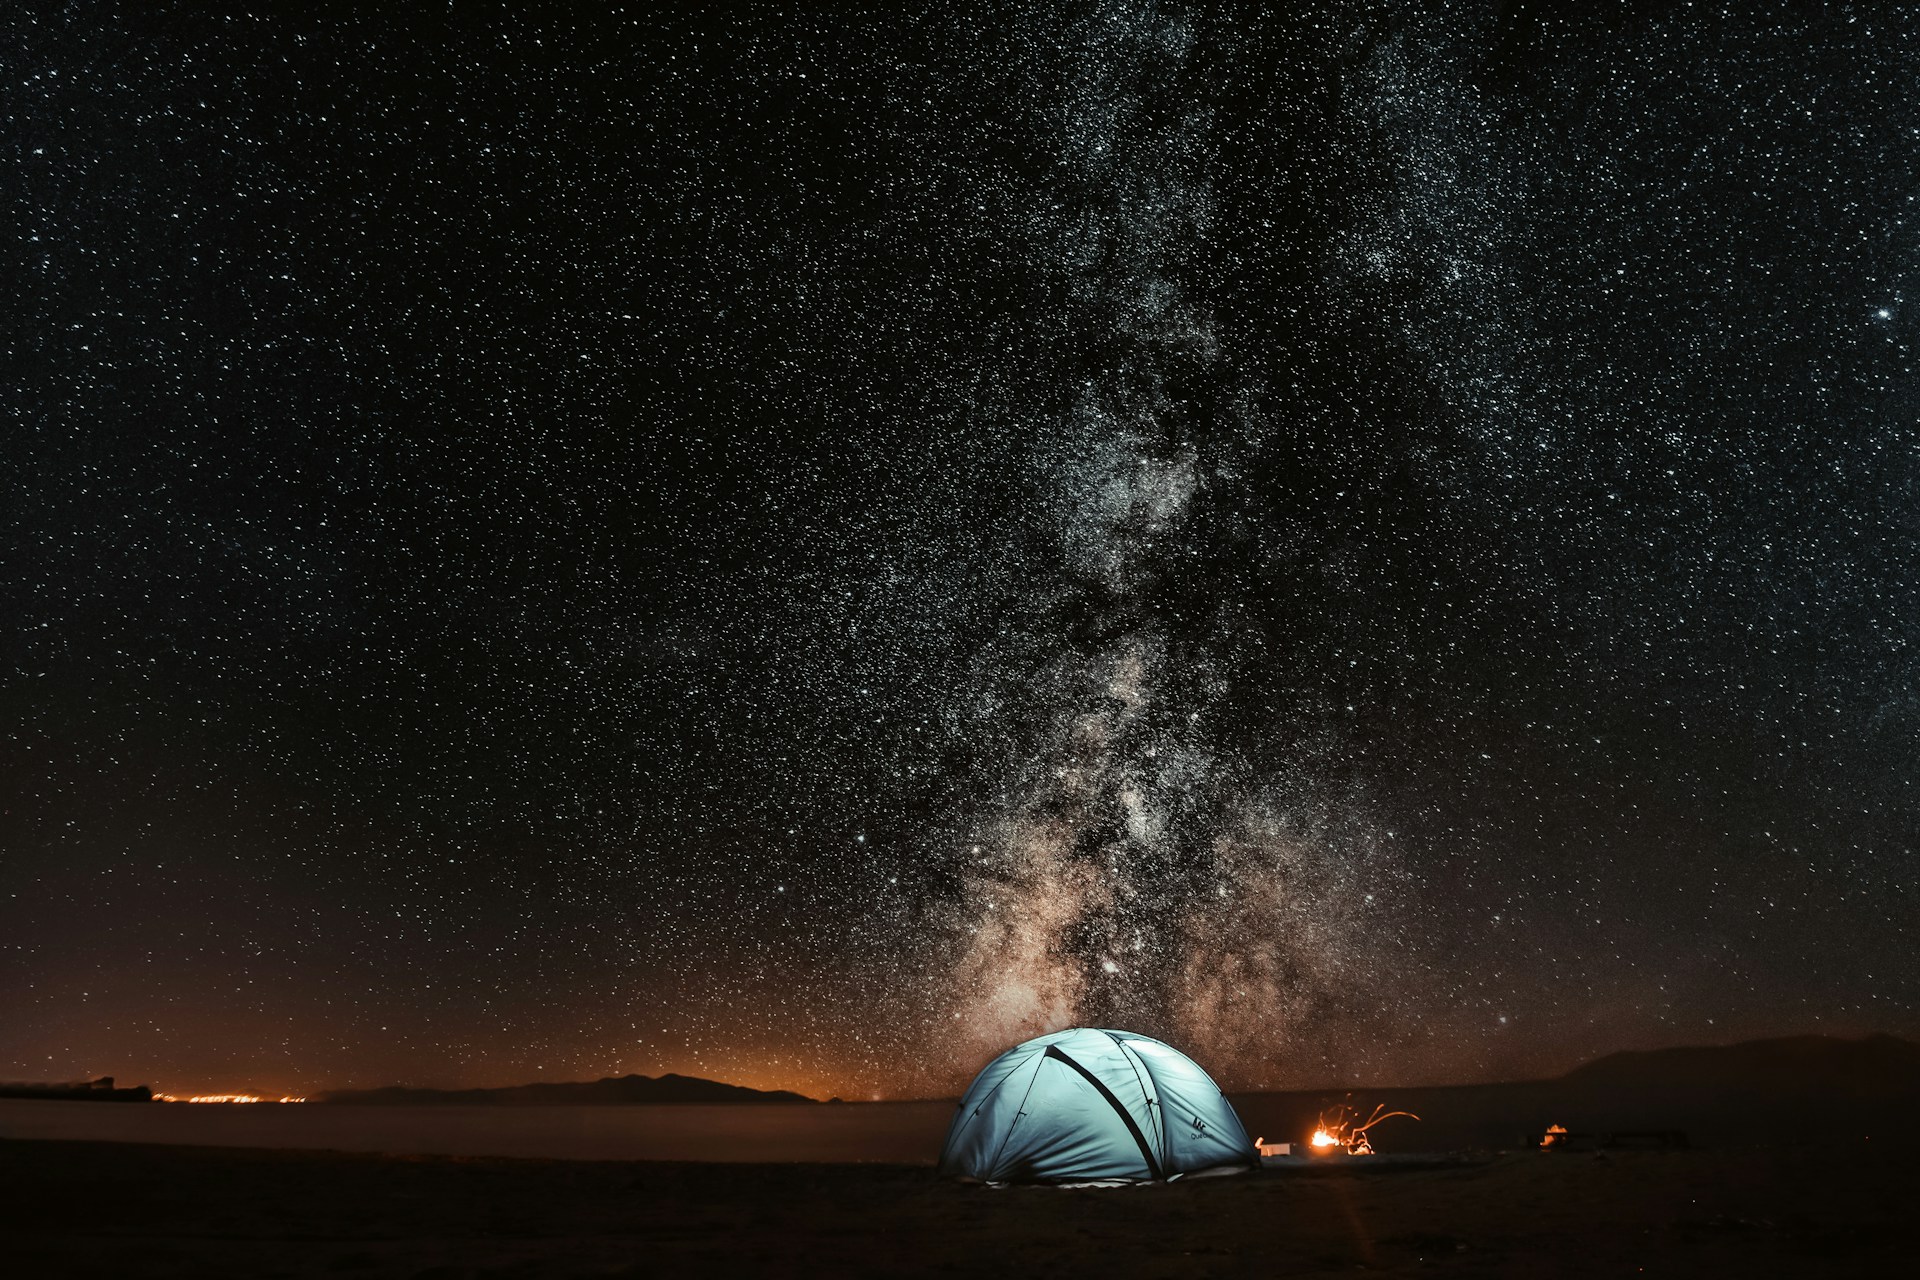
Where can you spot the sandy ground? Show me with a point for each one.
(108, 1209)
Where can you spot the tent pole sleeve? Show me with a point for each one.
(1146, 1152)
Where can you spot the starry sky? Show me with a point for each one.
(804, 544)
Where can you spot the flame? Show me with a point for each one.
(1337, 1128)
(223, 1097)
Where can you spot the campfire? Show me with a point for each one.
(1341, 1129)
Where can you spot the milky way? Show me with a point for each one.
(1134, 877)
(1374, 542)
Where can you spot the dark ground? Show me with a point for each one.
(106, 1209)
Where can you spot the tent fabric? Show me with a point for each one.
(1093, 1105)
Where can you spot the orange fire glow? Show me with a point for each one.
(222, 1097)
(1341, 1127)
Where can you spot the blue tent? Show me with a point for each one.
(1090, 1105)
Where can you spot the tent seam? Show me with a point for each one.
(1155, 1171)
(981, 1105)
(1156, 1112)
(993, 1166)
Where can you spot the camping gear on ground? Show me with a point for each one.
(1093, 1105)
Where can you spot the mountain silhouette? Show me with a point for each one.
(1871, 1065)
(616, 1091)
(1811, 1089)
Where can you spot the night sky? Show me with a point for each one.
(1380, 544)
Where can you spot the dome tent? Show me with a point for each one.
(1091, 1105)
